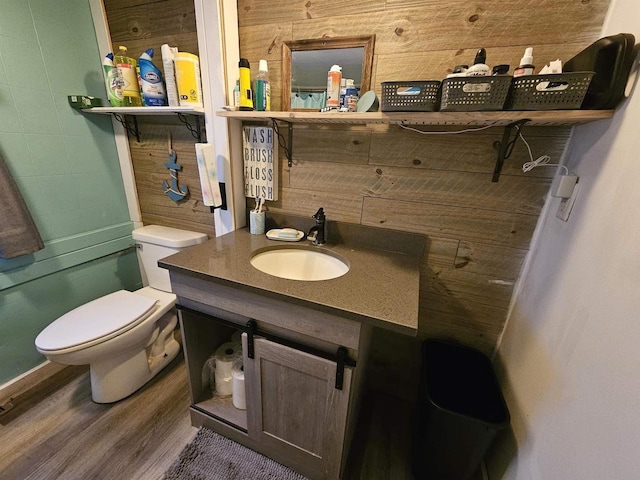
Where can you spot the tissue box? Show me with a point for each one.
(84, 101)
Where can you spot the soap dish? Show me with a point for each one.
(285, 234)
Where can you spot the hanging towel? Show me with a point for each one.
(208, 172)
(18, 232)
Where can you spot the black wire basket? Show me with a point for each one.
(410, 96)
(557, 91)
(472, 94)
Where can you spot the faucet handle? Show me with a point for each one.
(319, 215)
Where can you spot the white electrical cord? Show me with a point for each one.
(542, 161)
(447, 133)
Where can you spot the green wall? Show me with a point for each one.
(66, 166)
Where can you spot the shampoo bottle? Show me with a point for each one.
(333, 86)
(526, 64)
(263, 88)
(113, 81)
(130, 88)
(153, 92)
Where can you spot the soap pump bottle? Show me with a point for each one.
(479, 67)
(526, 64)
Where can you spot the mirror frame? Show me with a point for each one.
(366, 41)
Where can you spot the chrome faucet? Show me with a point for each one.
(318, 229)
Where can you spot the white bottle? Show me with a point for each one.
(333, 86)
(526, 64)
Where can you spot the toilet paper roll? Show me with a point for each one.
(239, 399)
(225, 356)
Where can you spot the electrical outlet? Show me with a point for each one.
(566, 204)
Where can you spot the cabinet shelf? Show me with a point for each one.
(499, 118)
(223, 408)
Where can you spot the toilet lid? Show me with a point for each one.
(94, 320)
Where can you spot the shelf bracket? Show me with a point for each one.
(505, 147)
(131, 129)
(195, 132)
(288, 147)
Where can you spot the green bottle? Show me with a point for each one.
(131, 88)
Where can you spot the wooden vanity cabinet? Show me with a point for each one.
(295, 412)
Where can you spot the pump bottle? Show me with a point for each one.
(479, 67)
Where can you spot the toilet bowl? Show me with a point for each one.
(125, 337)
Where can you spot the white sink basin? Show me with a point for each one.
(299, 264)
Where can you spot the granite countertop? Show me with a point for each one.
(381, 286)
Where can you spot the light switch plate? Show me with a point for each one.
(566, 204)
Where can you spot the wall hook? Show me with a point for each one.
(174, 192)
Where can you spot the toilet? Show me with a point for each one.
(125, 337)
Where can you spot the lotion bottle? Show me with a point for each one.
(526, 64)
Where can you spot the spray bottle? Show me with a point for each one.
(526, 64)
(113, 80)
(153, 92)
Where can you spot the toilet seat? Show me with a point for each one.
(95, 322)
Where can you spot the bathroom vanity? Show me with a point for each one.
(305, 343)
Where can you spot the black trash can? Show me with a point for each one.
(461, 408)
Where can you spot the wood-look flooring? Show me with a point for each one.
(57, 432)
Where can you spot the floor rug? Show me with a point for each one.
(213, 457)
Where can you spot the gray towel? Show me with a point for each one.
(18, 232)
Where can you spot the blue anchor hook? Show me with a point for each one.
(174, 192)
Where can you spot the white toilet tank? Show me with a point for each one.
(156, 242)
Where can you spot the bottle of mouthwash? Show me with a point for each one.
(131, 88)
(263, 88)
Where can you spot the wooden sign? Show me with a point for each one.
(260, 163)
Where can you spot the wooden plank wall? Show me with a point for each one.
(439, 185)
(139, 25)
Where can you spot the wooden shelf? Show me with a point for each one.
(146, 110)
(500, 118)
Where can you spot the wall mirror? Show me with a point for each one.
(305, 64)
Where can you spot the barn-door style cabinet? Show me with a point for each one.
(301, 392)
